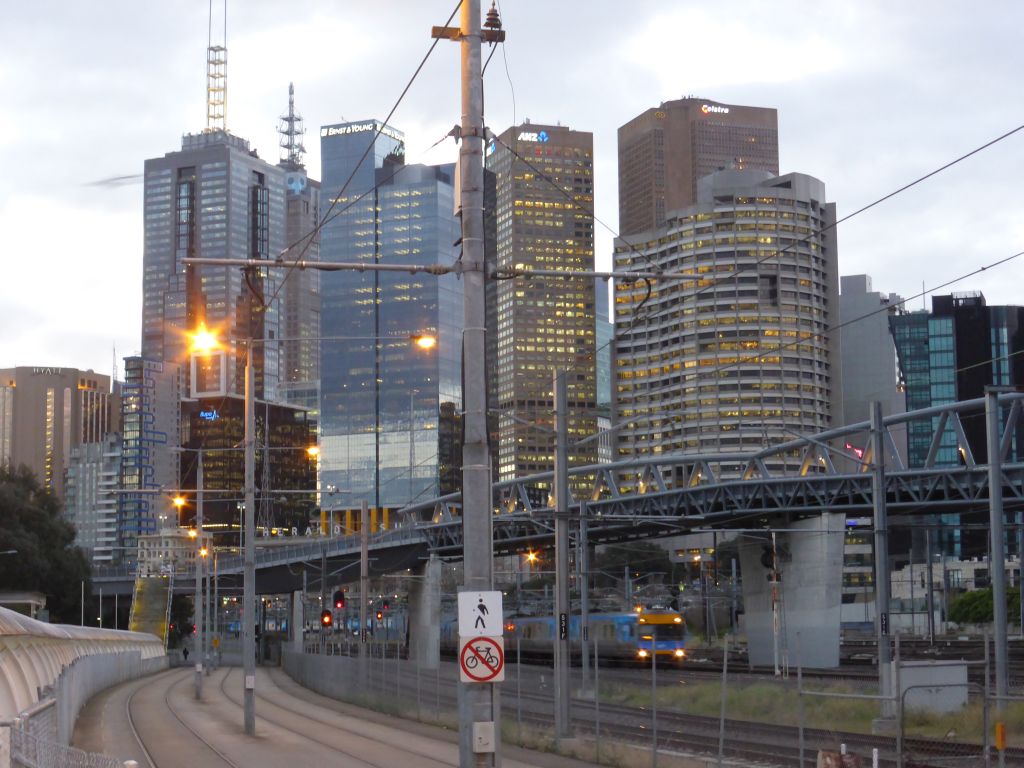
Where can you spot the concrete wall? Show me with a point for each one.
(811, 564)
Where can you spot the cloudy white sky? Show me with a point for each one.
(870, 94)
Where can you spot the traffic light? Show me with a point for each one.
(339, 599)
(384, 605)
(326, 619)
(380, 615)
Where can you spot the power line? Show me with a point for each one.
(308, 238)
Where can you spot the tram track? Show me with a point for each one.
(220, 756)
(311, 735)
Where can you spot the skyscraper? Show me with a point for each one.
(47, 412)
(150, 406)
(666, 149)
(544, 194)
(950, 354)
(385, 404)
(300, 318)
(91, 497)
(213, 199)
(738, 358)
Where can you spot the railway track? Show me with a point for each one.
(531, 707)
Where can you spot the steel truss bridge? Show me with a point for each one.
(673, 494)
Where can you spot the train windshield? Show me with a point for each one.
(664, 631)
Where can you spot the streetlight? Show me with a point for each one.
(204, 343)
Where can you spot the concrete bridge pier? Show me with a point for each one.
(809, 557)
(425, 615)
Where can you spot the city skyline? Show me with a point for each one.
(868, 99)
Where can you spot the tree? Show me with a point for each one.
(976, 607)
(46, 560)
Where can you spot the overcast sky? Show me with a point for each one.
(871, 95)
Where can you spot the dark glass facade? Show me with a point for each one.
(285, 474)
(389, 410)
(948, 355)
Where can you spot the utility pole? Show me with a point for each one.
(562, 658)
(881, 561)
(364, 584)
(583, 558)
(200, 647)
(478, 710)
(998, 544)
(249, 552)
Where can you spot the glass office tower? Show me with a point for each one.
(389, 409)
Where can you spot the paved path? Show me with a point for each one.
(294, 728)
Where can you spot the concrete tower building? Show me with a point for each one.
(545, 323)
(738, 358)
(388, 409)
(665, 150)
(45, 413)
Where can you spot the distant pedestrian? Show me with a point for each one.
(184, 653)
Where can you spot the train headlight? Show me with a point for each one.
(680, 653)
(642, 653)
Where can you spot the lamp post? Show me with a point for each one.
(204, 342)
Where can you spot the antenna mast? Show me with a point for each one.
(292, 130)
(216, 76)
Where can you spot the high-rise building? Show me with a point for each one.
(666, 149)
(739, 357)
(91, 498)
(951, 354)
(870, 373)
(150, 406)
(47, 412)
(300, 318)
(215, 198)
(544, 196)
(386, 404)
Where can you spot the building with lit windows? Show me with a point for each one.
(285, 472)
(666, 149)
(544, 197)
(737, 358)
(47, 412)
(215, 198)
(389, 411)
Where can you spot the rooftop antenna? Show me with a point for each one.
(216, 76)
(292, 130)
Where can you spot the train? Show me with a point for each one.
(619, 637)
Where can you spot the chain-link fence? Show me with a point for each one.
(32, 751)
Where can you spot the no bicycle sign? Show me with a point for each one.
(482, 660)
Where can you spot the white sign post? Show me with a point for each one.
(480, 615)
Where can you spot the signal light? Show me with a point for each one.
(339, 599)
(384, 605)
(326, 619)
(380, 615)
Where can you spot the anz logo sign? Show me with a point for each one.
(541, 136)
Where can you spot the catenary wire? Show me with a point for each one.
(308, 238)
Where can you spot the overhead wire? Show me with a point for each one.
(309, 238)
